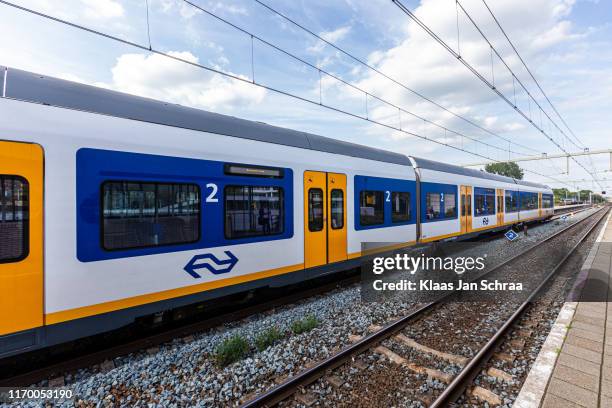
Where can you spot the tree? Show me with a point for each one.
(508, 169)
(584, 195)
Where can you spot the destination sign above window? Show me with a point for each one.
(256, 171)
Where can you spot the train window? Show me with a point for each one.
(512, 201)
(432, 204)
(450, 205)
(145, 214)
(469, 204)
(253, 211)
(484, 201)
(529, 201)
(400, 207)
(371, 208)
(14, 217)
(547, 201)
(337, 209)
(315, 209)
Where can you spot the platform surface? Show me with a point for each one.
(582, 373)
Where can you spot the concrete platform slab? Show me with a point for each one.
(579, 374)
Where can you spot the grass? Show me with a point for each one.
(303, 325)
(231, 350)
(267, 338)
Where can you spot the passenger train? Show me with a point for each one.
(114, 207)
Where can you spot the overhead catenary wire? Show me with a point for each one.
(531, 97)
(443, 43)
(337, 78)
(577, 141)
(246, 80)
(388, 77)
(530, 73)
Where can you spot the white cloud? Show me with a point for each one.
(102, 9)
(333, 36)
(536, 26)
(231, 8)
(159, 77)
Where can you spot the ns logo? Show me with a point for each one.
(212, 263)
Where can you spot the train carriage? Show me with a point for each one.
(115, 207)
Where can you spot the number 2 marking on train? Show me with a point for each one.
(212, 197)
(388, 199)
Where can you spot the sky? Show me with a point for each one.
(565, 43)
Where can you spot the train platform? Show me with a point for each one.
(574, 366)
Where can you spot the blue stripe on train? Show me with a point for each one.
(387, 186)
(93, 167)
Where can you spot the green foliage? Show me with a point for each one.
(582, 195)
(306, 324)
(267, 338)
(508, 169)
(233, 349)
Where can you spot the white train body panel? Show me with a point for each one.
(62, 132)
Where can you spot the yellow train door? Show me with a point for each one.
(539, 204)
(21, 239)
(463, 209)
(500, 206)
(466, 209)
(325, 239)
(336, 221)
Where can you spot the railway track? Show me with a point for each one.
(466, 368)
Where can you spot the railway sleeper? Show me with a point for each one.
(452, 358)
(500, 374)
(485, 395)
(430, 372)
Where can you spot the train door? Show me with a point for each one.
(466, 209)
(539, 204)
(21, 240)
(500, 206)
(325, 237)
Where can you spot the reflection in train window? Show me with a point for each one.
(144, 214)
(253, 211)
(433, 205)
(337, 209)
(400, 207)
(315, 209)
(371, 208)
(14, 217)
(547, 201)
(529, 201)
(512, 201)
(484, 201)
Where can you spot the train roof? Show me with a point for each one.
(27, 86)
(449, 168)
(532, 184)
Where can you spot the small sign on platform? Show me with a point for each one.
(511, 235)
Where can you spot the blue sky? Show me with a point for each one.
(566, 43)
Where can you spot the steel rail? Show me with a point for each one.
(285, 389)
(465, 377)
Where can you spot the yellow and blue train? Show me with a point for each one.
(114, 207)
